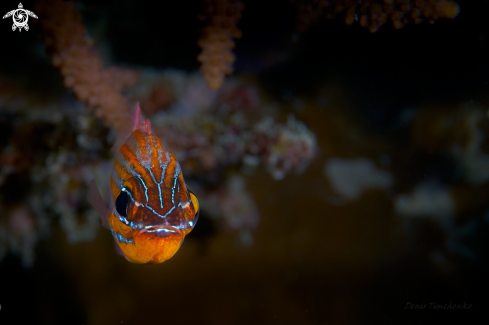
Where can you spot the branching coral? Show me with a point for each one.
(374, 13)
(82, 68)
(216, 40)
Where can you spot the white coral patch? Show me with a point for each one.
(427, 199)
(350, 177)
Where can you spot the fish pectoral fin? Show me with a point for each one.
(96, 200)
(118, 250)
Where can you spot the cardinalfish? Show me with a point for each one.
(152, 209)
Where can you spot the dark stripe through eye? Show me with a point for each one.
(121, 204)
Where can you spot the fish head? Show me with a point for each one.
(153, 209)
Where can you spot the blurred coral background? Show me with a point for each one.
(339, 150)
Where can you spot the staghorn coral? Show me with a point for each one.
(82, 69)
(216, 40)
(374, 13)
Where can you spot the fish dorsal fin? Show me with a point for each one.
(140, 123)
(95, 199)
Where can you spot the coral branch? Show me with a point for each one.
(375, 13)
(217, 40)
(82, 68)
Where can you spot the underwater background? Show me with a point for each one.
(342, 168)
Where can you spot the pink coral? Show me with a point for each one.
(82, 68)
(217, 40)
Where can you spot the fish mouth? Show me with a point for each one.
(162, 231)
(158, 244)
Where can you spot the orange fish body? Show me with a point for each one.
(152, 209)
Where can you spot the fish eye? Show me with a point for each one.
(121, 203)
